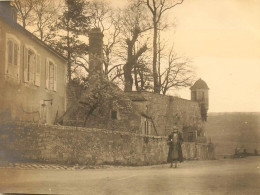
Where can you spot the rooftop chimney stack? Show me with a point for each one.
(8, 11)
(95, 53)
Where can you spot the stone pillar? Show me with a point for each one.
(95, 53)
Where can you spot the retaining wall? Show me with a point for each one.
(70, 145)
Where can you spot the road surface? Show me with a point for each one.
(225, 176)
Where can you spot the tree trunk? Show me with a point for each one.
(155, 73)
(24, 23)
(69, 54)
(69, 66)
(128, 76)
(141, 80)
(136, 79)
(159, 63)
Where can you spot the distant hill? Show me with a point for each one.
(231, 130)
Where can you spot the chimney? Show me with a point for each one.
(95, 53)
(8, 11)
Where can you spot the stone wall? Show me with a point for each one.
(92, 107)
(168, 112)
(70, 145)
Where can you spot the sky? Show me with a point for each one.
(222, 37)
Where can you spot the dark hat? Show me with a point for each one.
(175, 129)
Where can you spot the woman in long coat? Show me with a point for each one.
(175, 150)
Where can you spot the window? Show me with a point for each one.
(12, 56)
(190, 136)
(51, 71)
(51, 75)
(146, 126)
(12, 48)
(15, 62)
(194, 94)
(10, 52)
(113, 114)
(32, 66)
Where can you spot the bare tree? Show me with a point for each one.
(143, 74)
(158, 8)
(24, 8)
(109, 47)
(45, 13)
(132, 58)
(108, 20)
(134, 27)
(178, 73)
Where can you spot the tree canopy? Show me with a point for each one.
(136, 56)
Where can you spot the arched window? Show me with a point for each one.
(32, 66)
(12, 56)
(51, 75)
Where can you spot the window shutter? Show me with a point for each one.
(25, 65)
(9, 56)
(31, 68)
(55, 77)
(10, 46)
(15, 61)
(47, 79)
(38, 70)
(18, 62)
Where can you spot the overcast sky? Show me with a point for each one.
(223, 39)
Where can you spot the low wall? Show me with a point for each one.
(70, 145)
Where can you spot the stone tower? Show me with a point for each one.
(200, 94)
(95, 53)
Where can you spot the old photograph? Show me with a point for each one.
(130, 97)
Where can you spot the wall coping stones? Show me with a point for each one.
(83, 129)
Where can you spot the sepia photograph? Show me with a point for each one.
(130, 97)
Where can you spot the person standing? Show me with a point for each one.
(175, 151)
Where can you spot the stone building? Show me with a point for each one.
(143, 113)
(164, 113)
(32, 75)
(200, 94)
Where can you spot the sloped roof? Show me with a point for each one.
(199, 84)
(15, 25)
(135, 96)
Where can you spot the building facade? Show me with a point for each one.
(32, 75)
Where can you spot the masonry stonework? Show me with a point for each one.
(169, 112)
(86, 146)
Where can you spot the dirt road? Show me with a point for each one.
(227, 176)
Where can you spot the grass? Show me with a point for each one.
(231, 130)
